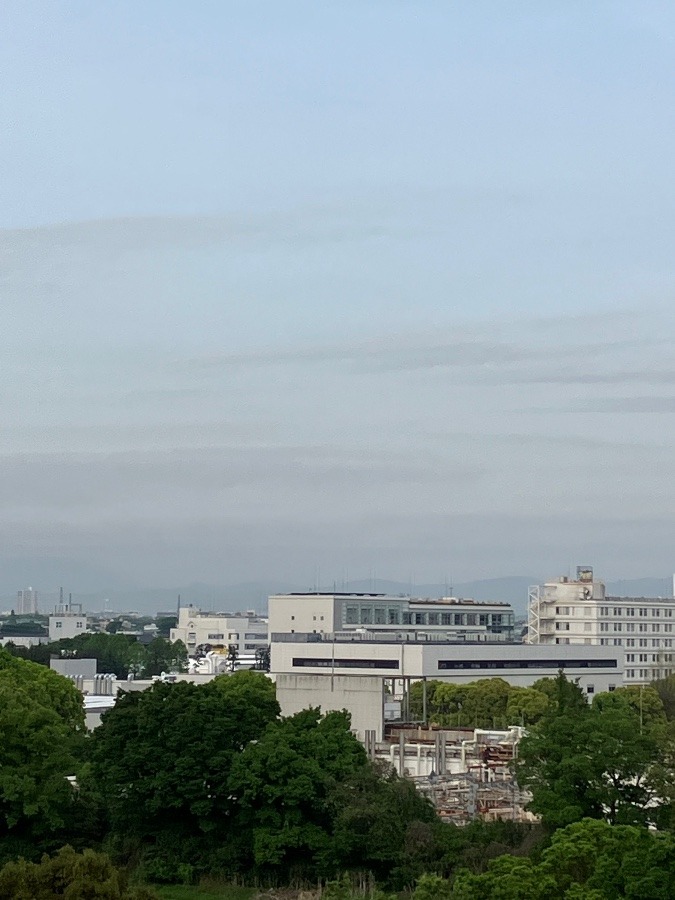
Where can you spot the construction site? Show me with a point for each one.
(466, 773)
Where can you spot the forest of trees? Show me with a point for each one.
(184, 781)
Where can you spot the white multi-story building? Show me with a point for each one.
(26, 602)
(579, 611)
(364, 672)
(451, 617)
(246, 631)
(66, 625)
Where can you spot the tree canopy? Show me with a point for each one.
(596, 761)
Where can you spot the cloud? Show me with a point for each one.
(638, 405)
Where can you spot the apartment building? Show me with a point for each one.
(246, 631)
(579, 611)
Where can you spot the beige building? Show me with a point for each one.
(578, 611)
(450, 617)
(197, 629)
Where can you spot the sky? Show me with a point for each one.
(315, 290)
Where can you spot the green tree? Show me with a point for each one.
(525, 706)
(41, 734)
(164, 656)
(283, 783)
(590, 762)
(588, 860)
(165, 624)
(161, 760)
(78, 876)
(380, 824)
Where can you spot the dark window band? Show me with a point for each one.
(528, 664)
(346, 663)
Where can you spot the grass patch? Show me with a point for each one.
(209, 891)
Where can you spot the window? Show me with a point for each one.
(630, 626)
(471, 619)
(617, 611)
(642, 627)
(394, 618)
(630, 642)
(630, 657)
(79, 624)
(433, 618)
(419, 619)
(58, 624)
(351, 615)
(366, 615)
(482, 620)
(233, 636)
(667, 627)
(590, 689)
(642, 642)
(642, 611)
(458, 619)
(562, 626)
(630, 611)
(327, 663)
(617, 626)
(380, 615)
(292, 618)
(656, 628)
(215, 637)
(604, 610)
(446, 619)
(656, 613)
(612, 687)
(617, 642)
(604, 626)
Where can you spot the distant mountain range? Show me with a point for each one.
(253, 595)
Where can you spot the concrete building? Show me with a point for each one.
(578, 611)
(197, 629)
(67, 622)
(26, 602)
(368, 674)
(451, 617)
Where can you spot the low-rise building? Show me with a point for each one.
(246, 631)
(452, 617)
(364, 673)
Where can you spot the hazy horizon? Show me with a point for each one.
(297, 288)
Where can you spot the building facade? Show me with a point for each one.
(364, 672)
(578, 611)
(451, 617)
(197, 629)
(26, 602)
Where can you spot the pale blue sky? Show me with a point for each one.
(353, 285)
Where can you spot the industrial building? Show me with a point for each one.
(578, 611)
(451, 617)
(370, 675)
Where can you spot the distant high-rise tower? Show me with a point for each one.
(26, 602)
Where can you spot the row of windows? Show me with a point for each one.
(393, 615)
(643, 657)
(631, 611)
(303, 661)
(633, 642)
(529, 664)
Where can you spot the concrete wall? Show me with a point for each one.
(300, 613)
(360, 696)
